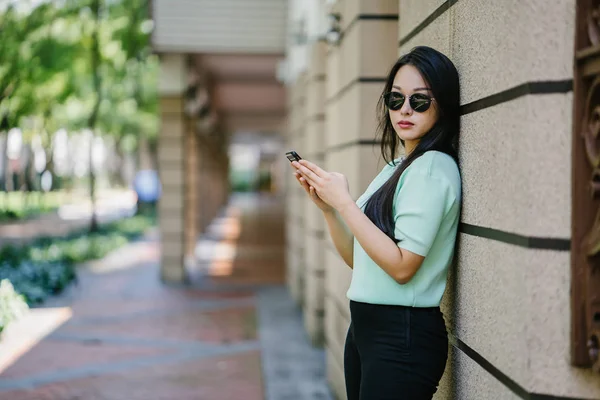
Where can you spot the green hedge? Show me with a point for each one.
(47, 266)
(21, 205)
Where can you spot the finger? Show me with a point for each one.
(310, 176)
(301, 180)
(301, 175)
(308, 168)
(310, 182)
(314, 194)
(304, 184)
(307, 188)
(313, 167)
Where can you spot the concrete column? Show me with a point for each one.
(212, 179)
(356, 70)
(213, 189)
(191, 162)
(215, 173)
(172, 167)
(205, 188)
(313, 149)
(200, 182)
(171, 208)
(193, 168)
(204, 200)
(223, 170)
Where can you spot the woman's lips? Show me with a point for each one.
(405, 124)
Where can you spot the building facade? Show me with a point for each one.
(521, 304)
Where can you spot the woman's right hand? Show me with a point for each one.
(313, 194)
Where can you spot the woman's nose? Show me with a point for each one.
(406, 109)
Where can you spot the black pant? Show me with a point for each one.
(394, 352)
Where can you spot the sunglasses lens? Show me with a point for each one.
(394, 100)
(419, 102)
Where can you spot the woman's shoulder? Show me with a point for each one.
(437, 165)
(435, 162)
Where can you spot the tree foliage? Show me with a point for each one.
(48, 71)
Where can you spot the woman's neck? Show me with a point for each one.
(409, 146)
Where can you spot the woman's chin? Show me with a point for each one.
(406, 136)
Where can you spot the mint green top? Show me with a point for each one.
(426, 215)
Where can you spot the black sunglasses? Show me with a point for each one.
(418, 101)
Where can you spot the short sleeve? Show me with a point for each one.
(420, 207)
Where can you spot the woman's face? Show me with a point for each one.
(409, 124)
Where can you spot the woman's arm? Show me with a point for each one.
(401, 264)
(398, 263)
(341, 236)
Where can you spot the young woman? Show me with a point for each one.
(399, 236)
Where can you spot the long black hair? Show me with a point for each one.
(441, 75)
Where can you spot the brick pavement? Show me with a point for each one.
(234, 334)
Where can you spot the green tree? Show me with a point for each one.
(130, 110)
(79, 64)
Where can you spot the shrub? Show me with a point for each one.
(12, 304)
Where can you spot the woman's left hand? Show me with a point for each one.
(332, 187)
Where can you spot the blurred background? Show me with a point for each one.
(153, 241)
(78, 130)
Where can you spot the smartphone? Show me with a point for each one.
(293, 156)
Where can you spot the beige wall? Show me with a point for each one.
(313, 149)
(511, 301)
(508, 303)
(295, 235)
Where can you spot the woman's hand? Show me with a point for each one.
(330, 187)
(312, 193)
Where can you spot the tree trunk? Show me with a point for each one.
(153, 150)
(117, 177)
(28, 183)
(94, 219)
(94, 115)
(3, 161)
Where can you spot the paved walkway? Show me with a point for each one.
(119, 334)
